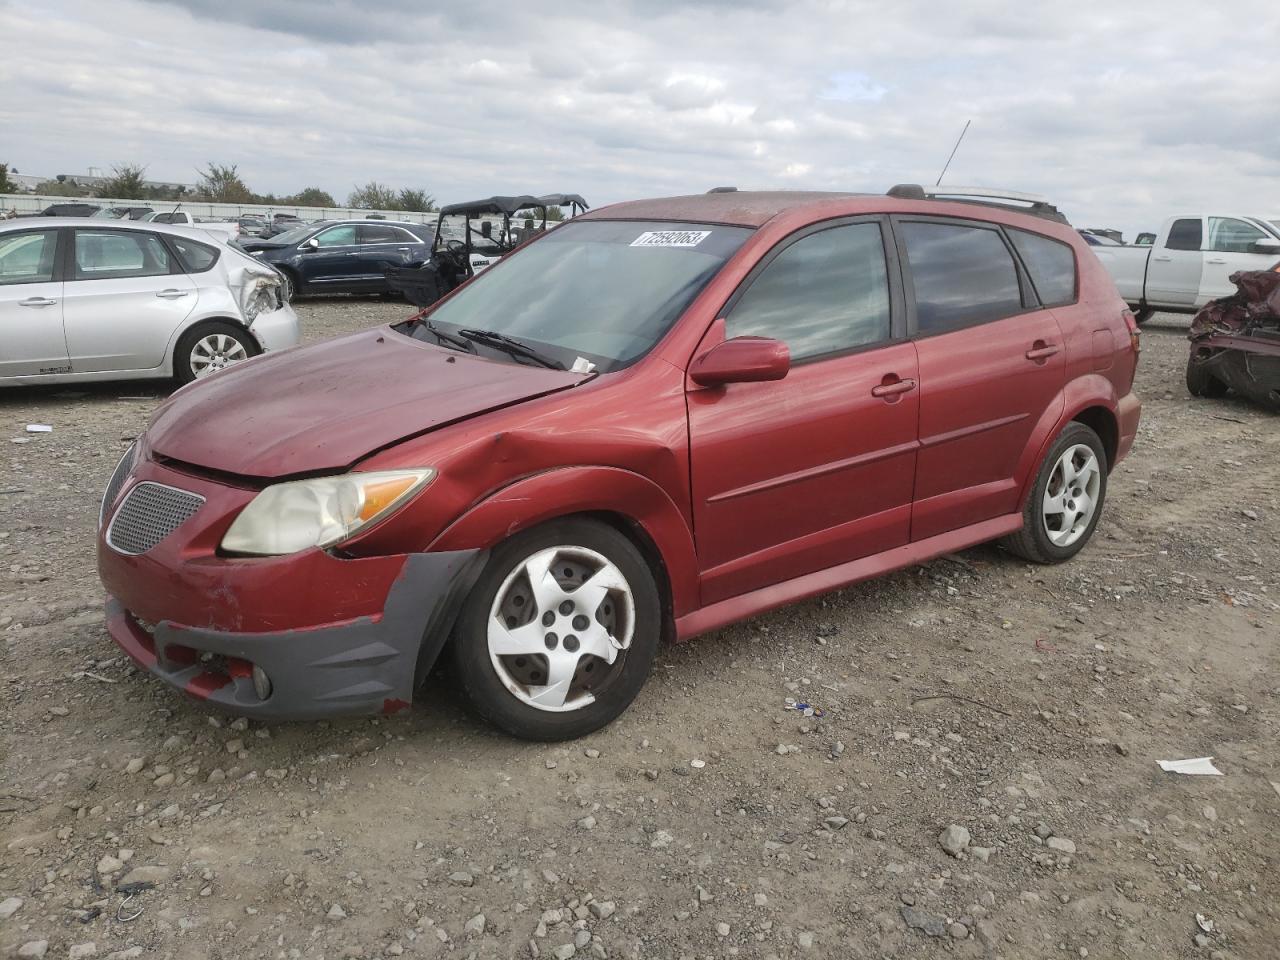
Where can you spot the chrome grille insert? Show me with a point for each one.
(149, 513)
(119, 476)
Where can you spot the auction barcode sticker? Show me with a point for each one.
(671, 238)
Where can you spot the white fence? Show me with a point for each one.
(34, 203)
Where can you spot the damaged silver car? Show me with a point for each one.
(1235, 341)
(88, 300)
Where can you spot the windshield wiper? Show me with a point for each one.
(512, 346)
(449, 338)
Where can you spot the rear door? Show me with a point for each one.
(991, 366)
(1229, 246)
(1173, 270)
(333, 264)
(126, 295)
(31, 338)
(804, 473)
(381, 246)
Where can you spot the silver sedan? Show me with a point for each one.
(92, 300)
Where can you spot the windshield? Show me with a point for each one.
(603, 290)
(294, 235)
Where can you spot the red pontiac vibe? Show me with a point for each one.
(654, 420)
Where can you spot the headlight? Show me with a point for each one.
(294, 516)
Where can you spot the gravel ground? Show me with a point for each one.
(981, 780)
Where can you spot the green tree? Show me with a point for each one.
(222, 184)
(417, 200)
(6, 185)
(374, 196)
(555, 213)
(62, 187)
(125, 183)
(312, 197)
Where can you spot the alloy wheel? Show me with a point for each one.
(215, 351)
(1071, 495)
(560, 626)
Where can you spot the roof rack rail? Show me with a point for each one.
(1032, 203)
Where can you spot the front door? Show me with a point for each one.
(1229, 247)
(31, 338)
(380, 247)
(991, 365)
(334, 263)
(816, 469)
(1173, 270)
(125, 298)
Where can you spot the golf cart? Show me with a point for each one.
(473, 235)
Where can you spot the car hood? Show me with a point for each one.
(324, 407)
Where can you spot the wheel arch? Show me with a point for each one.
(1090, 399)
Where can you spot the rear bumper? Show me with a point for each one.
(276, 330)
(370, 664)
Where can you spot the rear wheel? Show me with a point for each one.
(1202, 383)
(209, 347)
(559, 633)
(1066, 502)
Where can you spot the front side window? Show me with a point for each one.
(961, 275)
(824, 293)
(101, 255)
(337, 237)
(1185, 234)
(1229, 235)
(27, 257)
(603, 290)
(1052, 266)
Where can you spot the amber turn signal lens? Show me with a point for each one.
(381, 494)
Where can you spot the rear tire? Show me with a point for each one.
(559, 599)
(209, 347)
(1055, 522)
(1202, 383)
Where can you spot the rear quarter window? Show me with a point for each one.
(1052, 265)
(195, 257)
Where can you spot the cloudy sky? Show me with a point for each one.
(1122, 112)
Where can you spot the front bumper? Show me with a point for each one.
(371, 664)
(276, 330)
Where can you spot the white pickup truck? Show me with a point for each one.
(1190, 261)
(223, 229)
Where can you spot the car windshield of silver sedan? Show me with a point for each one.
(603, 291)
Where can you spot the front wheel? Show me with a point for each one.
(1066, 501)
(560, 631)
(209, 347)
(1202, 383)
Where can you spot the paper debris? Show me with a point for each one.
(1204, 923)
(39, 428)
(1197, 767)
(582, 365)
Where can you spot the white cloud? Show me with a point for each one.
(1122, 113)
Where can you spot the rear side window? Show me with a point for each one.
(377, 234)
(961, 275)
(825, 293)
(164, 218)
(1185, 235)
(102, 255)
(27, 257)
(1052, 265)
(194, 257)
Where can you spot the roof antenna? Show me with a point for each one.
(953, 152)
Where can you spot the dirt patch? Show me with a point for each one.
(1028, 705)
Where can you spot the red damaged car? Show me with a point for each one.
(657, 419)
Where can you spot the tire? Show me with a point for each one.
(1142, 315)
(542, 632)
(197, 353)
(1036, 541)
(1202, 383)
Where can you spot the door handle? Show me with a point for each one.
(892, 388)
(1041, 351)
(1163, 259)
(37, 302)
(1216, 260)
(170, 294)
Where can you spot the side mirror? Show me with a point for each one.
(1266, 245)
(742, 360)
(311, 244)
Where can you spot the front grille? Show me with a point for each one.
(149, 513)
(117, 482)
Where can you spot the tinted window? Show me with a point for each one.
(166, 218)
(27, 257)
(106, 254)
(1052, 266)
(1185, 235)
(962, 275)
(603, 290)
(824, 293)
(337, 237)
(1229, 235)
(194, 257)
(377, 234)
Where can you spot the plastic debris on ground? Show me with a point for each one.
(1204, 923)
(808, 709)
(39, 428)
(1197, 767)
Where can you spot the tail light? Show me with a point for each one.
(1135, 335)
